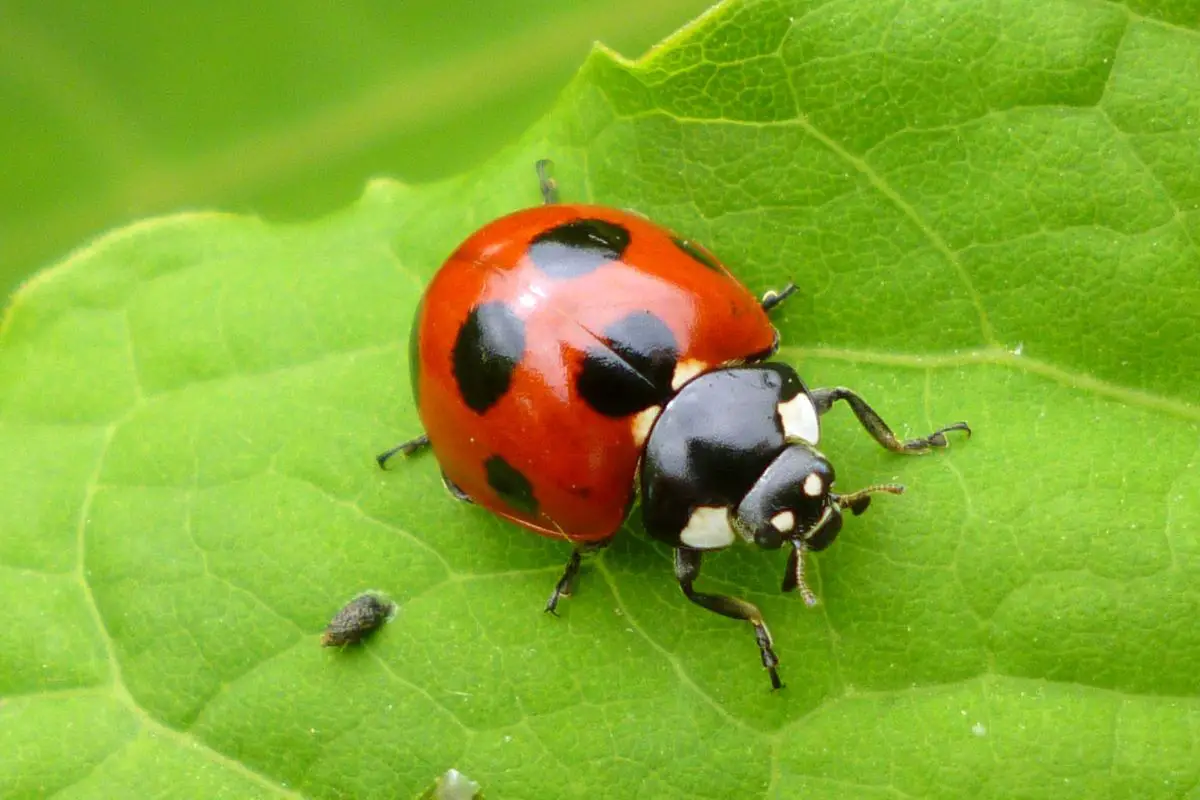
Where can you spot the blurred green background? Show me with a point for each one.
(118, 110)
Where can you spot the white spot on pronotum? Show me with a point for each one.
(708, 529)
(813, 485)
(784, 521)
(685, 371)
(799, 417)
(643, 421)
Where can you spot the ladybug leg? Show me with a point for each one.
(547, 184)
(408, 448)
(566, 584)
(455, 490)
(771, 298)
(879, 430)
(687, 569)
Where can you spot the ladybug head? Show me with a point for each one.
(793, 501)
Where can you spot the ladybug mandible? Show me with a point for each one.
(567, 357)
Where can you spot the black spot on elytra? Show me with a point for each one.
(513, 487)
(488, 347)
(577, 247)
(634, 371)
(698, 253)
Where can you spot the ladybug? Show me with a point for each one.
(568, 359)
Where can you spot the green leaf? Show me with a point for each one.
(283, 106)
(993, 210)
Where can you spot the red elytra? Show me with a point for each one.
(579, 463)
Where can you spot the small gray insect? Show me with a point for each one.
(357, 620)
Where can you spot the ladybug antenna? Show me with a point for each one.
(793, 579)
(858, 501)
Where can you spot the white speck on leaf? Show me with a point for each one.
(455, 786)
